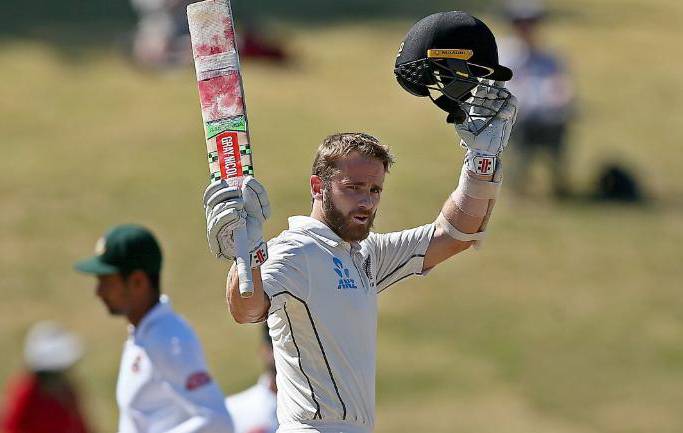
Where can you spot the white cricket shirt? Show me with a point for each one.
(323, 320)
(254, 409)
(164, 385)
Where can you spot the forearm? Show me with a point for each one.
(485, 132)
(463, 217)
(246, 310)
(470, 220)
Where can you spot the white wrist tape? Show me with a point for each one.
(477, 188)
(474, 207)
(473, 195)
(446, 226)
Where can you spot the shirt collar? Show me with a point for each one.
(318, 229)
(161, 309)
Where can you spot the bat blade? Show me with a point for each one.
(221, 96)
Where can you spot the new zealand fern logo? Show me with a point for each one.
(345, 280)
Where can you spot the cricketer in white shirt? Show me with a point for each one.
(323, 319)
(254, 409)
(164, 385)
(318, 287)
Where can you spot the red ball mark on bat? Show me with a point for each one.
(221, 97)
(218, 43)
(207, 50)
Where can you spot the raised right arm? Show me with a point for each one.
(227, 209)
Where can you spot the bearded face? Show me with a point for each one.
(353, 225)
(347, 200)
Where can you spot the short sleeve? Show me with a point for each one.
(399, 255)
(176, 353)
(286, 269)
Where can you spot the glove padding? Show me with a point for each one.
(227, 209)
(484, 147)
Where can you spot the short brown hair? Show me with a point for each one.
(337, 146)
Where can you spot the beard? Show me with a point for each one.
(343, 225)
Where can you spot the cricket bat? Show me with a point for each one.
(221, 96)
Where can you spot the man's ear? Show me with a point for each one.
(316, 187)
(138, 280)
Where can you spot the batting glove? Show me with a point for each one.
(485, 137)
(229, 208)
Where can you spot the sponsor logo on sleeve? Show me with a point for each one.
(197, 380)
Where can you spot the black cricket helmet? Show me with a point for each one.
(451, 53)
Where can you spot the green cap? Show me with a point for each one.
(123, 249)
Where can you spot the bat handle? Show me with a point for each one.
(243, 260)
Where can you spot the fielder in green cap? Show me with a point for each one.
(164, 383)
(127, 263)
(124, 249)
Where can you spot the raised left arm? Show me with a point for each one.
(465, 214)
(463, 219)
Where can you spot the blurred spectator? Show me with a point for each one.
(254, 409)
(44, 398)
(546, 97)
(162, 37)
(253, 43)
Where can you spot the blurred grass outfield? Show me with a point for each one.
(570, 320)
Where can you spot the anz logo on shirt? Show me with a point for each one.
(345, 280)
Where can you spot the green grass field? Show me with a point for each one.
(570, 320)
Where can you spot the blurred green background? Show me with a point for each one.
(570, 320)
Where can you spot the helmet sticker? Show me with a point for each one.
(450, 54)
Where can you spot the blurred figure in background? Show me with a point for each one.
(254, 410)
(546, 97)
(255, 42)
(162, 36)
(44, 399)
(163, 384)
